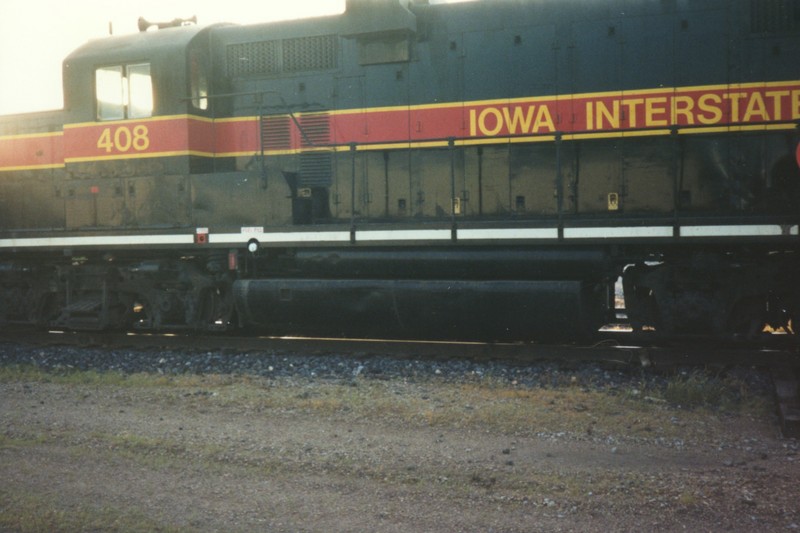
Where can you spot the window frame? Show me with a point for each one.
(199, 79)
(136, 96)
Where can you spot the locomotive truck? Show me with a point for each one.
(484, 170)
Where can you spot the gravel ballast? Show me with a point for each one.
(127, 440)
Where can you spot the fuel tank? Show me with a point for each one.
(465, 310)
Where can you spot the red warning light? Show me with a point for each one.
(201, 236)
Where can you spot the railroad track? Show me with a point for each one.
(780, 355)
(623, 348)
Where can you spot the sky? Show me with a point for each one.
(36, 35)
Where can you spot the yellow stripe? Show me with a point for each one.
(252, 154)
(762, 127)
(32, 167)
(31, 135)
(139, 155)
(243, 119)
(101, 123)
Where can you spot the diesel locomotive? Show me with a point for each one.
(483, 170)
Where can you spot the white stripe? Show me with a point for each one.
(404, 235)
(766, 230)
(267, 238)
(763, 230)
(618, 233)
(96, 240)
(330, 236)
(511, 233)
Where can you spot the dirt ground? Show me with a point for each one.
(232, 454)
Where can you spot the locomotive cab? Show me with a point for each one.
(138, 77)
(136, 124)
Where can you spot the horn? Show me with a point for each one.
(144, 24)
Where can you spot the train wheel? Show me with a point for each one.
(44, 308)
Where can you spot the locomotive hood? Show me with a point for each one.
(125, 47)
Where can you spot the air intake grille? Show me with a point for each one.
(309, 53)
(774, 16)
(282, 56)
(276, 133)
(254, 58)
(315, 169)
(316, 129)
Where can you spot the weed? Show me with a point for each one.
(698, 389)
(687, 498)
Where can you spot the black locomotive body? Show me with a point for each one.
(483, 170)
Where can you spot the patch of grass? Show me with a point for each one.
(489, 404)
(23, 373)
(699, 389)
(69, 376)
(140, 444)
(36, 513)
(693, 390)
(33, 374)
(687, 498)
(16, 441)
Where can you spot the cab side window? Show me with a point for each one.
(124, 91)
(198, 78)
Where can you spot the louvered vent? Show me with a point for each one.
(309, 53)
(316, 130)
(299, 54)
(247, 59)
(774, 16)
(315, 169)
(276, 133)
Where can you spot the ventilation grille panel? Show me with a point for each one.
(309, 53)
(276, 133)
(315, 169)
(316, 130)
(270, 58)
(247, 59)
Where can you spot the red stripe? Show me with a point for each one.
(237, 136)
(31, 151)
(130, 138)
(201, 136)
(606, 113)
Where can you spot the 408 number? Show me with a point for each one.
(124, 139)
